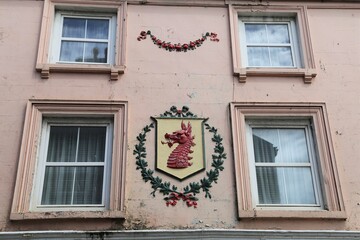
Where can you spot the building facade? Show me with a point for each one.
(179, 119)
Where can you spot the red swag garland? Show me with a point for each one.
(178, 47)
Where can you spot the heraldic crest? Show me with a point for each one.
(180, 153)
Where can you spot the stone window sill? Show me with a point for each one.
(295, 214)
(67, 215)
(114, 71)
(307, 73)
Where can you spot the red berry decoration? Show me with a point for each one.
(178, 47)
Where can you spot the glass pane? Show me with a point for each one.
(281, 57)
(97, 28)
(278, 33)
(266, 145)
(268, 185)
(71, 51)
(58, 185)
(258, 56)
(92, 144)
(280, 145)
(88, 185)
(74, 27)
(294, 145)
(255, 33)
(62, 144)
(285, 185)
(96, 52)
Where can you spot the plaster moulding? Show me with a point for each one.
(204, 233)
(299, 12)
(35, 112)
(43, 64)
(200, 3)
(172, 192)
(178, 47)
(334, 207)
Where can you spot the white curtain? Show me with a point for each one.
(68, 185)
(283, 183)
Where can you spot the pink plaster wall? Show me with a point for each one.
(155, 79)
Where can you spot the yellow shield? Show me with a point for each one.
(180, 146)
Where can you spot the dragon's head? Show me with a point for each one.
(181, 135)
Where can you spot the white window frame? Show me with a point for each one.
(293, 35)
(42, 164)
(57, 38)
(282, 124)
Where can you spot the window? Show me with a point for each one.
(271, 41)
(78, 169)
(74, 164)
(81, 39)
(78, 37)
(285, 165)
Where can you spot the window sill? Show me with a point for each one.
(307, 73)
(114, 71)
(295, 214)
(67, 215)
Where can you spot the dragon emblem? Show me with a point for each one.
(179, 157)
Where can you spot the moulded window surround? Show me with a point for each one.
(53, 43)
(297, 50)
(104, 123)
(309, 122)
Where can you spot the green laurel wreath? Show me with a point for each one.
(173, 195)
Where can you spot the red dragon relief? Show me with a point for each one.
(179, 157)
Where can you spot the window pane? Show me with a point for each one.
(92, 144)
(278, 33)
(268, 185)
(258, 56)
(294, 146)
(97, 28)
(280, 145)
(281, 57)
(58, 185)
(62, 144)
(88, 185)
(96, 52)
(71, 51)
(74, 27)
(266, 146)
(255, 33)
(280, 185)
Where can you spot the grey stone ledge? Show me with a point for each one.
(187, 234)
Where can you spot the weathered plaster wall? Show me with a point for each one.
(19, 34)
(155, 80)
(336, 37)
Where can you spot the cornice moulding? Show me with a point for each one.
(197, 233)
